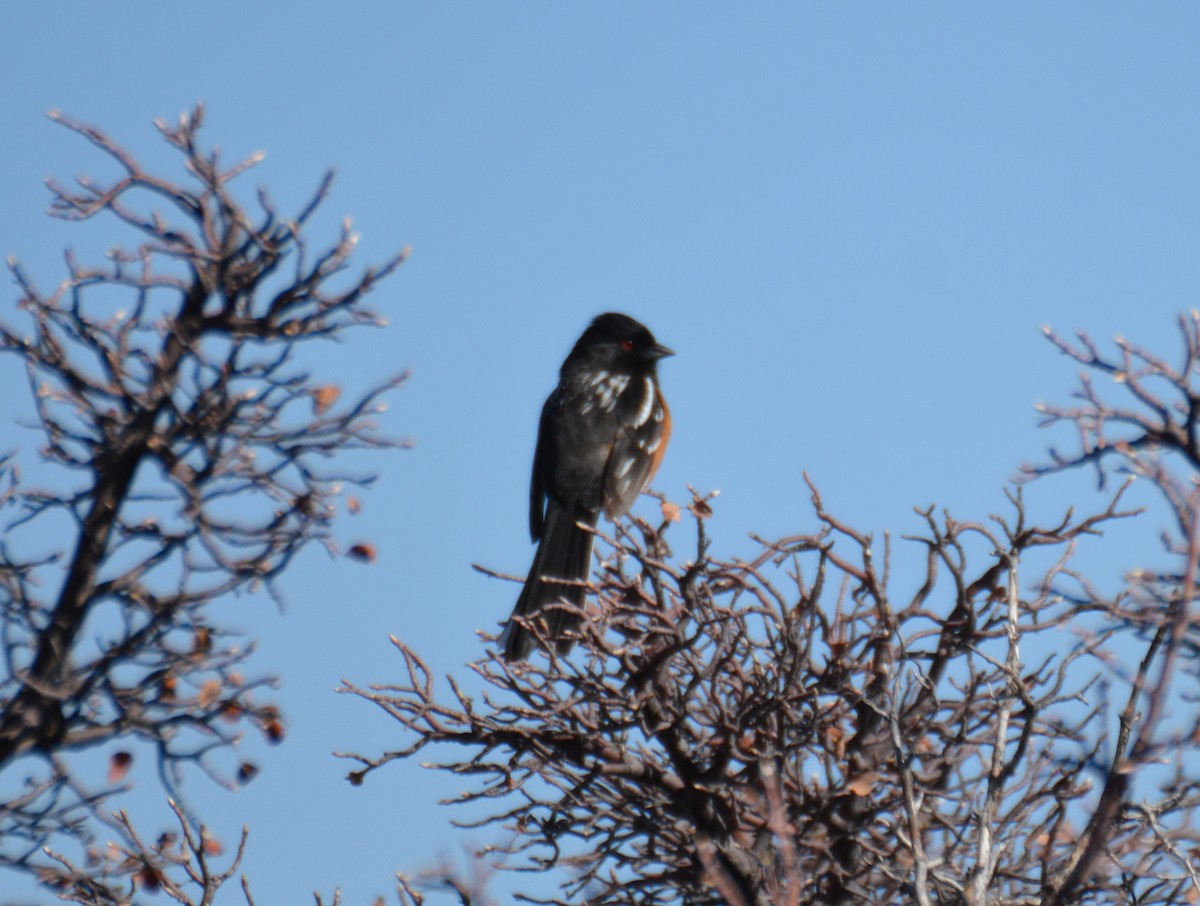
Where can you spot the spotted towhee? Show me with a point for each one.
(602, 434)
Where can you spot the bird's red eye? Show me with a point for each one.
(627, 345)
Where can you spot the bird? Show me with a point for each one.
(601, 437)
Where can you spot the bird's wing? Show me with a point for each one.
(542, 464)
(633, 460)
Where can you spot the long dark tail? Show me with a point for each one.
(565, 552)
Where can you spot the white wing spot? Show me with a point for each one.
(625, 467)
(609, 389)
(647, 405)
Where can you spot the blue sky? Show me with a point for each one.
(850, 221)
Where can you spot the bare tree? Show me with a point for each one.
(185, 449)
(799, 728)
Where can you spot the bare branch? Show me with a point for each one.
(201, 446)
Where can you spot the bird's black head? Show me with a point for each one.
(619, 338)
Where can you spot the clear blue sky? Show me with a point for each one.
(850, 221)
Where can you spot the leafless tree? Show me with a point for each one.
(959, 716)
(184, 459)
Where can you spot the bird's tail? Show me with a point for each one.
(564, 552)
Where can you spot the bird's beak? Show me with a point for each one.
(659, 351)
